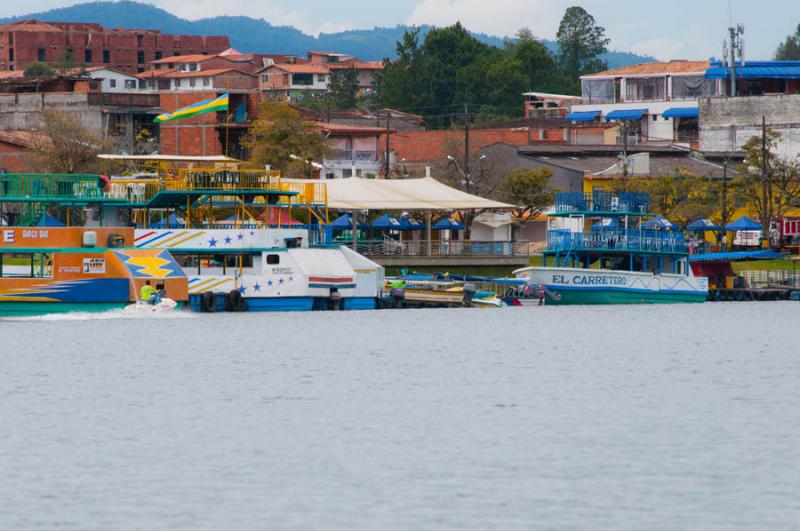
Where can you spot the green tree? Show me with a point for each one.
(536, 62)
(279, 134)
(528, 189)
(789, 50)
(37, 69)
(344, 88)
(64, 145)
(581, 41)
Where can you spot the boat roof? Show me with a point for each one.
(737, 256)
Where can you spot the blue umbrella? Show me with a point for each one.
(702, 225)
(743, 223)
(447, 224)
(345, 222)
(172, 222)
(659, 223)
(407, 223)
(605, 224)
(49, 221)
(386, 222)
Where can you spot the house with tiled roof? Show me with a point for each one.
(653, 102)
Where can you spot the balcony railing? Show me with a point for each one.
(30, 187)
(445, 248)
(124, 99)
(630, 240)
(598, 201)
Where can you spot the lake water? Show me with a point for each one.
(642, 417)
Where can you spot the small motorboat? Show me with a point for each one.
(145, 308)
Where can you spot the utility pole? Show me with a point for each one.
(723, 238)
(388, 133)
(624, 148)
(764, 208)
(466, 149)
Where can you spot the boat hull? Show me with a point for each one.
(594, 286)
(44, 308)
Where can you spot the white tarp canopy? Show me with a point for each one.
(355, 193)
(167, 158)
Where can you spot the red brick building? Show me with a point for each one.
(15, 156)
(28, 41)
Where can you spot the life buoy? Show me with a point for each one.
(208, 301)
(233, 301)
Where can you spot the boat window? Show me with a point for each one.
(237, 260)
(26, 265)
(273, 259)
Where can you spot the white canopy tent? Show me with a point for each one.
(427, 194)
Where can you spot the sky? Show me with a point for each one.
(665, 29)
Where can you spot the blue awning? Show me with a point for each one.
(582, 116)
(660, 223)
(49, 221)
(740, 256)
(757, 70)
(386, 222)
(626, 114)
(682, 112)
(345, 222)
(447, 224)
(743, 223)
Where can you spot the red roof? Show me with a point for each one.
(343, 129)
(152, 74)
(306, 68)
(677, 66)
(207, 73)
(18, 138)
(194, 58)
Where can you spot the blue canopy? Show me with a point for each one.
(739, 256)
(605, 224)
(407, 223)
(447, 224)
(626, 114)
(682, 112)
(582, 116)
(702, 225)
(743, 223)
(49, 221)
(345, 222)
(659, 223)
(757, 70)
(385, 222)
(172, 222)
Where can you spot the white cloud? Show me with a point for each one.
(662, 48)
(269, 11)
(499, 17)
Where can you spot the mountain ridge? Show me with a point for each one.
(250, 35)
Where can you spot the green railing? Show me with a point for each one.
(26, 187)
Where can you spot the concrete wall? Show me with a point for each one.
(23, 111)
(728, 123)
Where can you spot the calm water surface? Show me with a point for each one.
(668, 417)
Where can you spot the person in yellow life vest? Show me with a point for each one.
(147, 293)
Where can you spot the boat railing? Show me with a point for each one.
(58, 187)
(223, 179)
(444, 248)
(630, 240)
(599, 201)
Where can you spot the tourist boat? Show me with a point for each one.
(66, 269)
(615, 260)
(249, 268)
(434, 291)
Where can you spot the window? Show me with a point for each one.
(140, 57)
(26, 265)
(112, 83)
(177, 83)
(206, 82)
(302, 79)
(273, 259)
(321, 78)
(691, 87)
(192, 67)
(158, 55)
(41, 55)
(645, 89)
(11, 54)
(228, 263)
(597, 90)
(265, 78)
(106, 56)
(130, 83)
(87, 56)
(191, 82)
(142, 83)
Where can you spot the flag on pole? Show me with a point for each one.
(201, 107)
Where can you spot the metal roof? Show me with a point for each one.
(739, 256)
(757, 70)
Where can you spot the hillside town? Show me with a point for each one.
(686, 130)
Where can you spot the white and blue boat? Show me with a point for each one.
(600, 250)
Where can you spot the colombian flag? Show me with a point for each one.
(201, 107)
